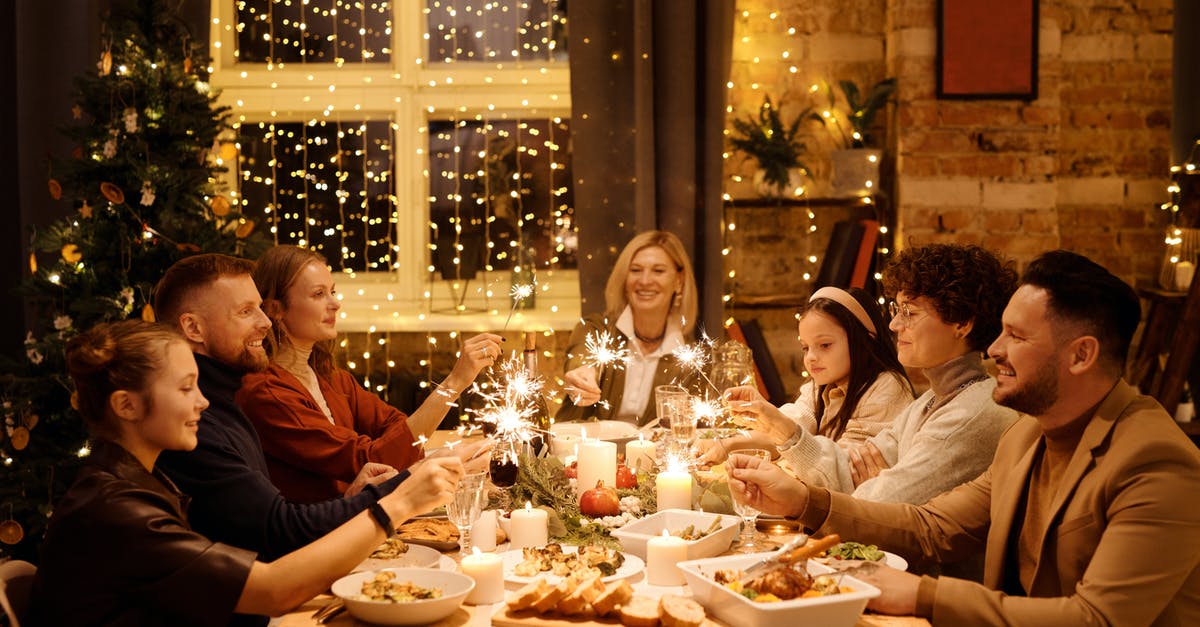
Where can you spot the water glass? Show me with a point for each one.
(749, 514)
(464, 508)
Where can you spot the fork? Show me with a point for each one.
(324, 614)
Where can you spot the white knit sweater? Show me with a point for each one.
(929, 451)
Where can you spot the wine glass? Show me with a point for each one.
(503, 469)
(749, 514)
(682, 416)
(464, 508)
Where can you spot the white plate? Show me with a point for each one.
(891, 559)
(630, 567)
(416, 556)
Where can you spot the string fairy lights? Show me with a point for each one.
(357, 121)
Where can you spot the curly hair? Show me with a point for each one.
(965, 282)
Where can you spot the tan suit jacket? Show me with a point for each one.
(1122, 546)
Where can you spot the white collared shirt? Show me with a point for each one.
(640, 368)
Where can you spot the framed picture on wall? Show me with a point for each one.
(987, 49)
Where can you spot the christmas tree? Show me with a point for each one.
(143, 192)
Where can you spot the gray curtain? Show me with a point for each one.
(648, 109)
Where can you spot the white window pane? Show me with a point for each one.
(496, 31)
(315, 31)
(500, 194)
(327, 185)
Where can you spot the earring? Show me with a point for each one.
(677, 301)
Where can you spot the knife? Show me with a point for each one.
(798, 549)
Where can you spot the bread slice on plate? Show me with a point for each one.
(640, 611)
(524, 598)
(614, 596)
(677, 611)
(577, 601)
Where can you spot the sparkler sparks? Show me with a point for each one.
(519, 292)
(605, 349)
(509, 398)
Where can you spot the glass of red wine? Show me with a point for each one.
(503, 468)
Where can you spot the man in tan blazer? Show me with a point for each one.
(1087, 515)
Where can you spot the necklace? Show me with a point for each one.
(965, 384)
(650, 340)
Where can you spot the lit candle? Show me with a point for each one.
(483, 532)
(564, 445)
(529, 527)
(662, 555)
(674, 490)
(487, 569)
(597, 462)
(640, 454)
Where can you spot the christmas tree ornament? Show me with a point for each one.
(11, 531)
(147, 194)
(148, 313)
(110, 148)
(77, 112)
(32, 263)
(220, 206)
(228, 151)
(75, 401)
(19, 438)
(55, 189)
(244, 229)
(112, 193)
(187, 65)
(71, 254)
(85, 210)
(105, 64)
(130, 118)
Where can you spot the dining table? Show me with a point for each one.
(496, 613)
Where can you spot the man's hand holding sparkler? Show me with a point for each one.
(582, 386)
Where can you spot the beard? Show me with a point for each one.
(1035, 397)
(244, 358)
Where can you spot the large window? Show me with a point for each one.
(423, 147)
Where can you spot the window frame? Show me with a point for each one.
(410, 92)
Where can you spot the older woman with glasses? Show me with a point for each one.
(946, 311)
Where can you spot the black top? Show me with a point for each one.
(119, 551)
(233, 499)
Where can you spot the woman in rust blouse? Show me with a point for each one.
(119, 550)
(317, 424)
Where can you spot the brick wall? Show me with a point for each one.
(1082, 167)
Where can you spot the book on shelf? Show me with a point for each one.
(837, 267)
(865, 260)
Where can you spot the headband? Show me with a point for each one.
(843, 298)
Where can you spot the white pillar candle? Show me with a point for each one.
(597, 462)
(487, 569)
(564, 445)
(640, 455)
(674, 490)
(662, 555)
(529, 527)
(483, 531)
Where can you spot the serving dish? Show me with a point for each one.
(455, 588)
(838, 610)
(634, 535)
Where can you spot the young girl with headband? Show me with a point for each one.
(119, 549)
(856, 386)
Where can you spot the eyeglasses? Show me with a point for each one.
(902, 313)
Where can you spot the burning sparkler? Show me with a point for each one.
(519, 292)
(604, 349)
(509, 397)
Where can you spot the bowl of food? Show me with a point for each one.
(403, 596)
(800, 594)
(706, 535)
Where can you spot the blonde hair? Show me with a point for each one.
(685, 306)
(274, 273)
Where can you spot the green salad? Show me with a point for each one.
(855, 551)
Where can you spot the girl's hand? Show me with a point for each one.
(582, 386)
(750, 409)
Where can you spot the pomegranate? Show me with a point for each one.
(572, 471)
(600, 501)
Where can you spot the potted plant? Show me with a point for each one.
(856, 164)
(776, 148)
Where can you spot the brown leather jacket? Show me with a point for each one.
(119, 551)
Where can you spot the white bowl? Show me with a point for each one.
(634, 535)
(838, 610)
(455, 587)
